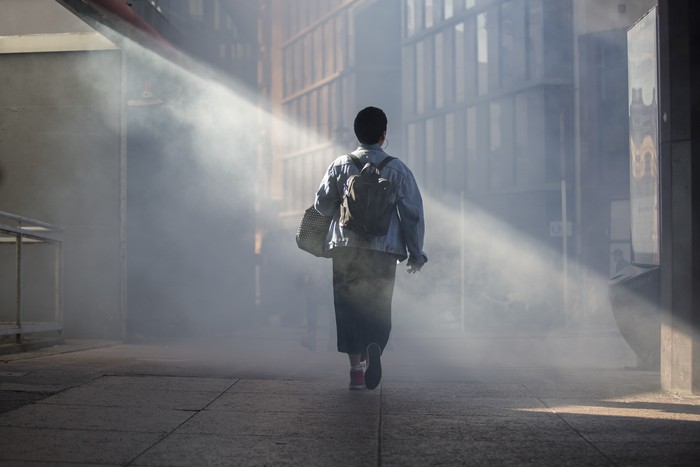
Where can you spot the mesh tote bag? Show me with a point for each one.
(311, 236)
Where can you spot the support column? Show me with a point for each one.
(679, 140)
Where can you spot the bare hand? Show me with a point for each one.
(412, 269)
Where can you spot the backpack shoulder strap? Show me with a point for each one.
(355, 160)
(384, 162)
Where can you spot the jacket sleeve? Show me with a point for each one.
(410, 206)
(327, 199)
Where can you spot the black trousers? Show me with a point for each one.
(363, 285)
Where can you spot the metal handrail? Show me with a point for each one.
(20, 231)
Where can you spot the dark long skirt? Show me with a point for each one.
(363, 285)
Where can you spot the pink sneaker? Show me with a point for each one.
(357, 379)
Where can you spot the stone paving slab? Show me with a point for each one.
(439, 451)
(114, 397)
(461, 426)
(164, 383)
(281, 386)
(351, 402)
(219, 450)
(284, 424)
(448, 406)
(78, 417)
(651, 454)
(79, 446)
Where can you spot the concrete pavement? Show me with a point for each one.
(260, 398)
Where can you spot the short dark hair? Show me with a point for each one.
(370, 125)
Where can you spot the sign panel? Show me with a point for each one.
(642, 62)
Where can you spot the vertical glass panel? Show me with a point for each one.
(513, 42)
(288, 66)
(449, 9)
(308, 61)
(482, 54)
(408, 67)
(298, 66)
(410, 17)
(349, 102)
(449, 65)
(429, 6)
(471, 67)
(350, 21)
(450, 137)
(495, 145)
(313, 117)
(420, 77)
(536, 40)
(340, 42)
(452, 169)
(319, 53)
(439, 71)
(460, 71)
(473, 174)
(411, 144)
(303, 121)
(522, 170)
(469, 4)
(429, 74)
(333, 109)
(323, 105)
(329, 48)
(430, 168)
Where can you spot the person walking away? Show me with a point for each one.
(364, 266)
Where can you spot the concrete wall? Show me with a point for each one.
(59, 160)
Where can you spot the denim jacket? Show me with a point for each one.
(407, 227)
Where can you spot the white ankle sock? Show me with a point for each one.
(356, 368)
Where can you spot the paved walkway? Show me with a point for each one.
(261, 399)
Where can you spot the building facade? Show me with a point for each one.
(516, 108)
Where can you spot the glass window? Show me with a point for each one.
(449, 9)
(529, 151)
(452, 169)
(329, 48)
(429, 13)
(323, 105)
(420, 77)
(513, 40)
(471, 148)
(430, 166)
(535, 40)
(439, 71)
(460, 57)
(502, 167)
(340, 41)
(318, 53)
(469, 4)
(298, 66)
(303, 121)
(522, 171)
(408, 66)
(411, 143)
(313, 117)
(410, 12)
(350, 34)
(429, 73)
(450, 137)
(482, 53)
(449, 65)
(287, 66)
(308, 61)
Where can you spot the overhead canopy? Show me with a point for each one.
(46, 26)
